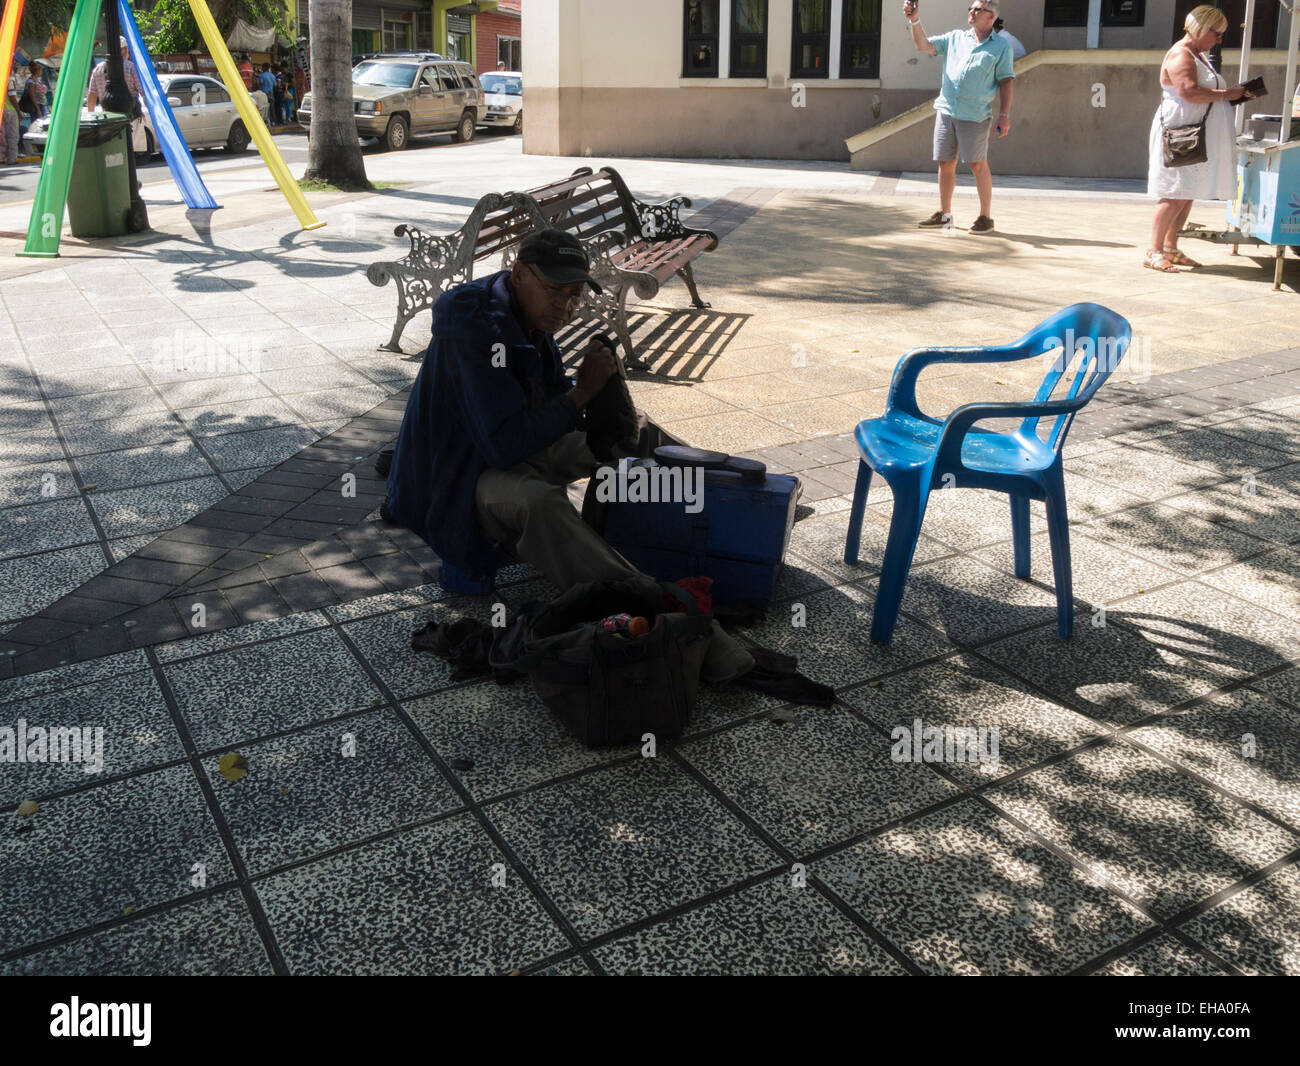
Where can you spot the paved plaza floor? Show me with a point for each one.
(177, 411)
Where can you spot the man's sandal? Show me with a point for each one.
(1159, 261)
(1179, 259)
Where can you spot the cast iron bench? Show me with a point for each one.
(634, 246)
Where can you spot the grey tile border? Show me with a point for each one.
(442, 913)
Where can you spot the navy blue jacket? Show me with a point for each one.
(465, 415)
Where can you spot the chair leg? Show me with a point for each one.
(1058, 532)
(855, 515)
(910, 498)
(1020, 533)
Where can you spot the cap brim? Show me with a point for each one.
(566, 276)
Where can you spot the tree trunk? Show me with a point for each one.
(335, 151)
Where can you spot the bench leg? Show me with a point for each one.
(688, 275)
(625, 335)
(395, 341)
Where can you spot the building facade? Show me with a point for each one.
(785, 78)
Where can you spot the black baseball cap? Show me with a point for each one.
(558, 255)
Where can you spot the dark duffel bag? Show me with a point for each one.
(606, 688)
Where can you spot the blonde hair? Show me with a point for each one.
(1205, 19)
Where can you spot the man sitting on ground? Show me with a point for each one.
(493, 431)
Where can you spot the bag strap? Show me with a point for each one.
(679, 593)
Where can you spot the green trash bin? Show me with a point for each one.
(99, 194)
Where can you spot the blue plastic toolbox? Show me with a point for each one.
(737, 534)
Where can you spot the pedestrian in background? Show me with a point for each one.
(1018, 50)
(10, 122)
(246, 71)
(1192, 93)
(977, 66)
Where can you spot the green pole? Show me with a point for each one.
(56, 168)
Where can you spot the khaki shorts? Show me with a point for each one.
(952, 135)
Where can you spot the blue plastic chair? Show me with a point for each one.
(915, 453)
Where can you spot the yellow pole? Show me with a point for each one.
(252, 120)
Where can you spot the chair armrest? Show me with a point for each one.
(902, 388)
(958, 424)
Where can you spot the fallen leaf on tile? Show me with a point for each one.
(233, 766)
(27, 808)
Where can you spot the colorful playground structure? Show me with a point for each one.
(46, 222)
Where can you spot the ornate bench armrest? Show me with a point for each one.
(663, 221)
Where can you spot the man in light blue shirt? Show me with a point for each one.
(977, 66)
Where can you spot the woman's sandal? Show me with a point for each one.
(1179, 259)
(1156, 260)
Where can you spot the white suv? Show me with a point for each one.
(503, 93)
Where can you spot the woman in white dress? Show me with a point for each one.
(1191, 90)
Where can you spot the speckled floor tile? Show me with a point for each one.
(1258, 929)
(143, 466)
(21, 688)
(237, 636)
(798, 577)
(35, 581)
(1284, 686)
(100, 379)
(1143, 473)
(973, 603)
(1138, 824)
(574, 967)
(1205, 624)
(962, 891)
(41, 527)
(237, 416)
(1244, 742)
(1271, 580)
(25, 418)
(347, 402)
(114, 434)
(833, 644)
(1228, 456)
(1279, 430)
(259, 447)
(626, 843)
(508, 734)
(137, 731)
(817, 780)
(717, 705)
(126, 512)
(1258, 509)
(1162, 957)
(213, 937)
(32, 484)
(967, 692)
(821, 541)
(441, 913)
(94, 407)
(1087, 499)
(211, 391)
(1100, 574)
(382, 604)
(1175, 539)
(259, 689)
(970, 518)
(58, 876)
(305, 794)
(769, 928)
(26, 447)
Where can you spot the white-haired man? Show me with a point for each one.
(977, 66)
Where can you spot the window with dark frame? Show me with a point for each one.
(700, 39)
(748, 39)
(1065, 13)
(811, 53)
(1123, 12)
(860, 39)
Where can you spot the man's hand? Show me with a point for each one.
(597, 367)
(910, 8)
(1003, 125)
